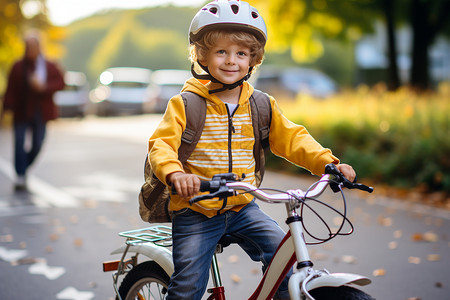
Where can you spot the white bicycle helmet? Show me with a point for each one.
(228, 14)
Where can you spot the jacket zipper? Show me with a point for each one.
(231, 130)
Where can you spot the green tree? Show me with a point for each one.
(300, 24)
(10, 43)
(16, 17)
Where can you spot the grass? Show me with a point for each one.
(399, 138)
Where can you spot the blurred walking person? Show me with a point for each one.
(29, 95)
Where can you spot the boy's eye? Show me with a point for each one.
(221, 52)
(242, 53)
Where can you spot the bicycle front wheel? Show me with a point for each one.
(339, 293)
(147, 280)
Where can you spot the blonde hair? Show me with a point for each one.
(199, 50)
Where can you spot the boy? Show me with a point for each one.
(227, 41)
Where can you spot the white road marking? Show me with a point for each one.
(41, 268)
(12, 255)
(73, 294)
(43, 194)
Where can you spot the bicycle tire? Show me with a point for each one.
(145, 281)
(339, 293)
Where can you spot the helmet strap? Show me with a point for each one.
(225, 86)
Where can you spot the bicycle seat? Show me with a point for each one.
(226, 240)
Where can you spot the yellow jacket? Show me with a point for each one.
(214, 153)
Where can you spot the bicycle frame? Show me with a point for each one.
(291, 251)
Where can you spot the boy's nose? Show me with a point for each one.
(230, 59)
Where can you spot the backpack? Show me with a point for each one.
(154, 196)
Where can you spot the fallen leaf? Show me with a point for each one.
(232, 259)
(438, 284)
(433, 257)
(54, 237)
(23, 245)
(6, 238)
(78, 242)
(414, 260)
(393, 245)
(417, 237)
(414, 298)
(385, 221)
(255, 271)
(398, 234)
(235, 278)
(49, 249)
(74, 219)
(430, 236)
(379, 272)
(349, 259)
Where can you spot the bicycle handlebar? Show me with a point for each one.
(226, 185)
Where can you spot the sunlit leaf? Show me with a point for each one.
(349, 259)
(74, 219)
(54, 237)
(430, 236)
(414, 260)
(398, 234)
(78, 242)
(385, 221)
(235, 278)
(232, 259)
(433, 257)
(379, 272)
(393, 245)
(6, 238)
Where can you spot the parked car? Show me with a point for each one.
(72, 101)
(164, 85)
(292, 81)
(122, 91)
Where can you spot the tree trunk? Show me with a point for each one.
(393, 82)
(420, 78)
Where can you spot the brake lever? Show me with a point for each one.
(333, 170)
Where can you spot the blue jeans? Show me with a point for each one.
(195, 237)
(23, 158)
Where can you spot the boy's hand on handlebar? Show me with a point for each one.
(186, 185)
(347, 171)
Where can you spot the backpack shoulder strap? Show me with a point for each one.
(261, 111)
(195, 109)
(261, 106)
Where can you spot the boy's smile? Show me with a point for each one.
(227, 61)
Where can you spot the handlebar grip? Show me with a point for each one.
(205, 186)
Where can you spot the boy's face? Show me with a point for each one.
(227, 61)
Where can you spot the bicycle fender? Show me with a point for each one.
(336, 279)
(162, 256)
(322, 280)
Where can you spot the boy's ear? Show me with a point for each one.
(203, 62)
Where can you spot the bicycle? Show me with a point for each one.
(150, 279)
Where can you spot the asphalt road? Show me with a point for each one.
(83, 191)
